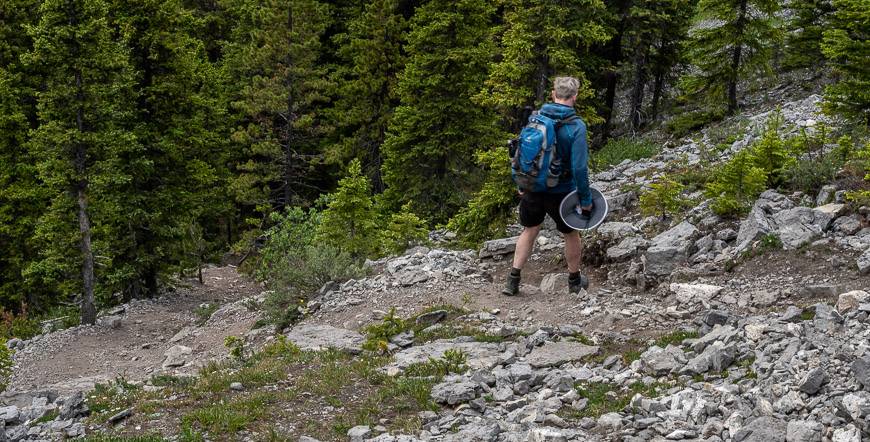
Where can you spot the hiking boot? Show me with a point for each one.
(575, 285)
(512, 288)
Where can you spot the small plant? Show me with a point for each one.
(618, 150)
(378, 335)
(6, 365)
(736, 185)
(770, 152)
(676, 338)
(683, 124)
(236, 347)
(452, 361)
(204, 311)
(663, 199)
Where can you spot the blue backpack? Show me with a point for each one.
(535, 162)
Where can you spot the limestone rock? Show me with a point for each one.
(319, 337)
(851, 300)
(503, 246)
(689, 293)
(480, 355)
(557, 353)
(762, 429)
(804, 431)
(555, 283)
(176, 356)
(454, 393)
(813, 381)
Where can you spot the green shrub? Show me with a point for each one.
(490, 210)
(620, 149)
(378, 335)
(294, 264)
(682, 125)
(664, 198)
(816, 165)
(403, 229)
(5, 365)
(736, 185)
(771, 152)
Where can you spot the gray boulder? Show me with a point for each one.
(863, 262)
(176, 356)
(73, 407)
(555, 283)
(716, 357)
(452, 392)
(657, 361)
(557, 353)
(317, 337)
(694, 293)
(615, 231)
(762, 429)
(796, 227)
(861, 370)
(502, 246)
(804, 431)
(359, 433)
(850, 301)
(813, 381)
(626, 249)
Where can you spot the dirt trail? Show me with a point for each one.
(133, 346)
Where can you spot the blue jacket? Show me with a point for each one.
(577, 158)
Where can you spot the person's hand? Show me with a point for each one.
(586, 208)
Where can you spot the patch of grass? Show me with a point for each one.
(110, 398)
(808, 315)
(675, 338)
(165, 380)
(226, 418)
(604, 397)
(766, 244)
(47, 417)
(453, 361)
(204, 312)
(618, 150)
(378, 335)
(111, 438)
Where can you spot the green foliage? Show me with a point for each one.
(436, 130)
(675, 338)
(736, 185)
(366, 95)
(540, 40)
(618, 150)
(735, 42)
(349, 222)
(683, 124)
(489, 212)
(771, 153)
(846, 46)
(236, 347)
(277, 83)
(402, 230)
(452, 361)
(804, 39)
(294, 265)
(378, 335)
(6, 365)
(816, 164)
(664, 198)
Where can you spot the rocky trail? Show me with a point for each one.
(691, 329)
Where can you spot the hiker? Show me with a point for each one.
(571, 154)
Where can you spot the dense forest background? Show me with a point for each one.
(141, 138)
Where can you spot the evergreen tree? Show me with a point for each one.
(364, 101)
(540, 40)
(847, 46)
(273, 62)
(179, 118)
(803, 43)
(349, 222)
(654, 32)
(736, 185)
(82, 145)
(432, 138)
(22, 197)
(732, 39)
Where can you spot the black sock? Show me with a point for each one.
(515, 272)
(573, 276)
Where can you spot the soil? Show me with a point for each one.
(77, 358)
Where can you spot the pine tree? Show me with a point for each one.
(180, 119)
(82, 142)
(273, 61)
(847, 46)
(654, 32)
(733, 39)
(539, 41)
(434, 133)
(349, 222)
(364, 101)
(22, 197)
(803, 43)
(736, 185)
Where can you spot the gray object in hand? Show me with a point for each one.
(579, 220)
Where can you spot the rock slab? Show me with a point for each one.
(552, 354)
(319, 337)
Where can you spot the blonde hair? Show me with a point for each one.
(565, 87)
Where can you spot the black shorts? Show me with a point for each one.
(535, 205)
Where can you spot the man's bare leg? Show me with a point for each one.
(525, 245)
(573, 257)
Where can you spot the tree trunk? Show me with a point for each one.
(735, 61)
(89, 310)
(637, 91)
(657, 94)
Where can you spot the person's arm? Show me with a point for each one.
(580, 165)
